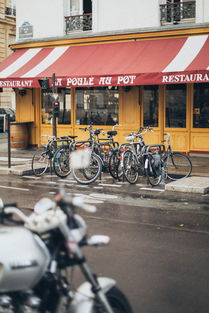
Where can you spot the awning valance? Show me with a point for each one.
(157, 61)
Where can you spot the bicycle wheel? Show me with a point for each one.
(130, 168)
(61, 162)
(40, 162)
(178, 165)
(153, 169)
(89, 174)
(113, 165)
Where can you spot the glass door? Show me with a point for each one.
(151, 113)
(176, 116)
(151, 106)
(175, 111)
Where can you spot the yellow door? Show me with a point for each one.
(177, 116)
(199, 139)
(166, 109)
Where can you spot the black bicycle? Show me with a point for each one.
(177, 165)
(42, 160)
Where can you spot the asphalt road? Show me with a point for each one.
(159, 251)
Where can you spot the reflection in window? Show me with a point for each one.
(65, 107)
(176, 106)
(150, 106)
(201, 106)
(97, 105)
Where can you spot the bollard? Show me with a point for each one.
(9, 140)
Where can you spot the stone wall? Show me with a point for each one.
(7, 36)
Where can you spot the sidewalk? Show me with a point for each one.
(197, 183)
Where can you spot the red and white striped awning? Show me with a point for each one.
(158, 61)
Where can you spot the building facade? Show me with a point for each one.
(7, 37)
(136, 64)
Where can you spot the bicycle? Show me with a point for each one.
(101, 150)
(61, 160)
(107, 148)
(115, 162)
(177, 165)
(42, 159)
(90, 173)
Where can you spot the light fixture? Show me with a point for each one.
(22, 91)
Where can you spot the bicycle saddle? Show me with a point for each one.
(112, 133)
(97, 131)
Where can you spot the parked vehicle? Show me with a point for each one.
(4, 111)
(34, 260)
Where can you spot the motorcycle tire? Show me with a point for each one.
(117, 301)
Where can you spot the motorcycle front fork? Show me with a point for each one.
(96, 289)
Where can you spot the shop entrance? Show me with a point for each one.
(165, 109)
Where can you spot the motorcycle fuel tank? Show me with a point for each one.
(23, 259)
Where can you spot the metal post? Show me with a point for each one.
(9, 140)
(54, 118)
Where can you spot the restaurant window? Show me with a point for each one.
(176, 106)
(97, 105)
(65, 107)
(150, 105)
(201, 106)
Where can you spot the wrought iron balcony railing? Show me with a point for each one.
(78, 23)
(178, 12)
(10, 11)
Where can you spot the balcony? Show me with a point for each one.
(178, 12)
(10, 11)
(77, 23)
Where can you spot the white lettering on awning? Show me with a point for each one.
(16, 83)
(185, 78)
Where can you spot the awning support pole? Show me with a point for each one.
(9, 140)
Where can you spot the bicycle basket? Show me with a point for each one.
(130, 138)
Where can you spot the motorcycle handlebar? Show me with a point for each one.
(75, 202)
(14, 210)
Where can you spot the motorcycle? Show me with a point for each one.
(36, 250)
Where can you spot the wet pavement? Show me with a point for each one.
(197, 183)
(159, 237)
(159, 243)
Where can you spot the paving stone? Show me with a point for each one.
(193, 184)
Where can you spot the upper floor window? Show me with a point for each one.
(176, 11)
(78, 15)
(10, 8)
